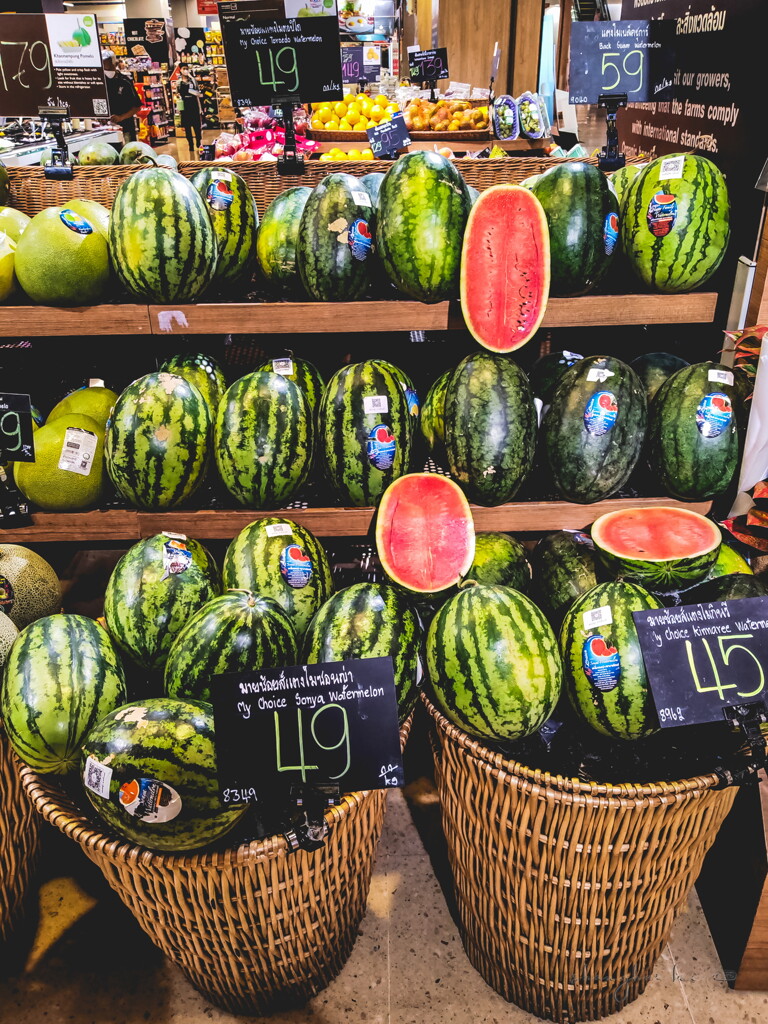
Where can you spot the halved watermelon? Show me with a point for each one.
(664, 549)
(425, 536)
(505, 268)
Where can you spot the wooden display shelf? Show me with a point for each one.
(73, 321)
(223, 524)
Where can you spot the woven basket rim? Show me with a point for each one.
(59, 810)
(620, 790)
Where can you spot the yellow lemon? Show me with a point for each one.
(381, 99)
(353, 115)
(325, 114)
(353, 154)
(326, 156)
(392, 109)
(344, 125)
(350, 98)
(366, 154)
(340, 109)
(365, 106)
(376, 114)
(332, 124)
(317, 124)
(362, 124)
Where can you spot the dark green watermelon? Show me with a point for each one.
(278, 238)
(547, 371)
(564, 567)
(500, 559)
(234, 217)
(726, 588)
(653, 368)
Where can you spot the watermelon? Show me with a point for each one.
(152, 593)
(662, 549)
(593, 430)
(278, 238)
(730, 587)
(335, 240)
(564, 567)
(500, 560)
(29, 586)
(263, 439)
(431, 419)
(505, 268)
(235, 632)
(490, 427)
(473, 194)
(604, 669)
(653, 368)
(161, 240)
(729, 561)
(547, 372)
(364, 432)
(583, 218)
(234, 217)
(303, 373)
(408, 387)
(372, 184)
(157, 441)
(156, 760)
(369, 620)
(693, 437)
(425, 537)
(62, 676)
(620, 180)
(493, 662)
(277, 558)
(675, 229)
(201, 370)
(422, 213)
(137, 153)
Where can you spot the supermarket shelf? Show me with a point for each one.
(223, 524)
(74, 321)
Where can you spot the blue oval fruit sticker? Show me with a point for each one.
(610, 233)
(601, 663)
(75, 222)
(360, 239)
(381, 446)
(662, 214)
(600, 413)
(295, 566)
(714, 414)
(219, 195)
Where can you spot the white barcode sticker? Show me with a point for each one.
(720, 377)
(361, 197)
(672, 167)
(283, 366)
(174, 536)
(572, 355)
(598, 617)
(97, 777)
(599, 373)
(279, 530)
(95, 382)
(539, 408)
(78, 450)
(375, 403)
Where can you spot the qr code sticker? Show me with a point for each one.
(375, 403)
(97, 777)
(100, 107)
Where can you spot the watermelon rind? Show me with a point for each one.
(500, 560)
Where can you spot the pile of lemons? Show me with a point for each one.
(353, 113)
(352, 154)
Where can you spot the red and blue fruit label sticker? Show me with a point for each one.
(714, 414)
(601, 663)
(662, 214)
(295, 566)
(610, 232)
(381, 446)
(600, 413)
(7, 595)
(150, 800)
(177, 557)
(219, 195)
(360, 239)
(75, 222)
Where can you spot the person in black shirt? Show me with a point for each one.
(190, 114)
(124, 102)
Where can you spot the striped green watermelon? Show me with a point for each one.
(604, 669)
(431, 419)
(364, 432)
(277, 558)
(490, 427)
(278, 237)
(731, 587)
(156, 759)
(500, 560)
(157, 441)
(621, 180)
(564, 567)
(593, 430)
(152, 593)
(263, 439)
(675, 222)
(234, 217)
(301, 372)
(201, 370)
(408, 387)
(62, 676)
(369, 620)
(335, 240)
(493, 662)
(422, 213)
(235, 632)
(547, 372)
(693, 435)
(729, 561)
(372, 184)
(161, 240)
(653, 368)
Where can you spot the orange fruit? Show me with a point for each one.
(376, 114)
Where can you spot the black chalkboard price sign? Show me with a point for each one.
(332, 723)
(16, 443)
(632, 57)
(704, 658)
(428, 65)
(389, 136)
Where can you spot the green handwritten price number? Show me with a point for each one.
(20, 58)
(238, 796)
(284, 61)
(609, 65)
(16, 432)
(314, 722)
(727, 648)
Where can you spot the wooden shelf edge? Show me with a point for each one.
(49, 527)
(74, 321)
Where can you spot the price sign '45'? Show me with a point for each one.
(632, 69)
(727, 646)
(19, 59)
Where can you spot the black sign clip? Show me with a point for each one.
(60, 169)
(610, 158)
(291, 161)
(748, 718)
(309, 828)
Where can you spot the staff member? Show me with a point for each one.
(124, 101)
(188, 106)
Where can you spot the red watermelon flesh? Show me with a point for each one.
(505, 268)
(656, 533)
(425, 536)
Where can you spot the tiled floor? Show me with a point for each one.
(87, 962)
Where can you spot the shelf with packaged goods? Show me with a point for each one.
(222, 524)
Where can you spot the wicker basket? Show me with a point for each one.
(567, 891)
(19, 842)
(254, 928)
